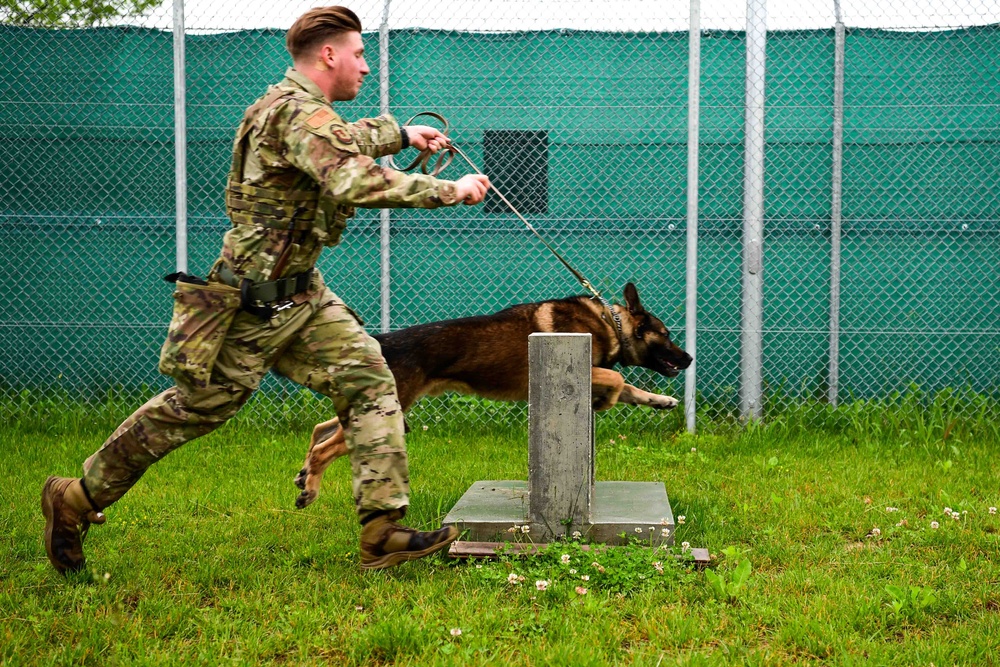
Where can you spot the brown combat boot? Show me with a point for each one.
(68, 514)
(385, 543)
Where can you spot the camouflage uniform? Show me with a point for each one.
(298, 170)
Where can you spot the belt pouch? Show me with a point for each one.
(202, 317)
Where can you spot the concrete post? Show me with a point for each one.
(560, 433)
(560, 497)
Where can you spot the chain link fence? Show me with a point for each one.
(848, 186)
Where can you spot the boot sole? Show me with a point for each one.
(397, 557)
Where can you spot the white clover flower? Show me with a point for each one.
(577, 534)
(638, 529)
(580, 590)
(694, 449)
(513, 579)
(479, 566)
(107, 576)
(564, 559)
(665, 532)
(680, 519)
(658, 566)
(541, 584)
(664, 522)
(456, 632)
(359, 608)
(876, 532)
(947, 511)
(685, 546)
(426, 427)
(891, 509)
(514, 528)
(525, 528)
(993, 510)
(902, 523)
(956, 516)
(934, 525)
(572, 571)
(584, 577)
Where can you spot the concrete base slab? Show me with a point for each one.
(491, 550)
(640, 510)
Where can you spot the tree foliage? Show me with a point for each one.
(69, 13)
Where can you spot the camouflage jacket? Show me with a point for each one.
(299, 170)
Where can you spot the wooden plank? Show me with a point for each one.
(463, 549)
(702, 558)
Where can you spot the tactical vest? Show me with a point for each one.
(291, 210)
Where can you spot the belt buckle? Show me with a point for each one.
(283, 305)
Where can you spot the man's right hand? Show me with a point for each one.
(471, 189)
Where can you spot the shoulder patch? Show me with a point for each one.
(320, 118)
(342, 135)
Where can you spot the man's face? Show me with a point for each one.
(350, 69)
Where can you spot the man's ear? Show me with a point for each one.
(632, 299)
(326, 57)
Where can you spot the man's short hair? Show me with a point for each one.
(317, 26)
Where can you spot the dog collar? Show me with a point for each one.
(615, 318)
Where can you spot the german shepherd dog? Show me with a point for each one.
(488, 356)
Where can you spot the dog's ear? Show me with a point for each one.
(632, 300)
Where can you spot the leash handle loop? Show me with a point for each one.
(443, 157)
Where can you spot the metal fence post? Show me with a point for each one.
(385, 285)
(751, 337)
(836, 203)
(180, 137)
(691, 301)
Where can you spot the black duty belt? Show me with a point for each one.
(265, 299)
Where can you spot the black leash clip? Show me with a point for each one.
(182, 277)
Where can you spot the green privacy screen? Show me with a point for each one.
(87, 195)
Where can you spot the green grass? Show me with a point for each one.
(207, 561)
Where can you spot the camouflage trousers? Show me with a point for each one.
(319, 344)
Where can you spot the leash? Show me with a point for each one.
(445, 157)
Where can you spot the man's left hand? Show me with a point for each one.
(425, 137)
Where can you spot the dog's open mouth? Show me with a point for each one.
(670, 368)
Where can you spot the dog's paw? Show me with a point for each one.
(305, 499)
(664, 403)
(300, 479)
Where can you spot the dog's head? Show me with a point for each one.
(646, 341)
